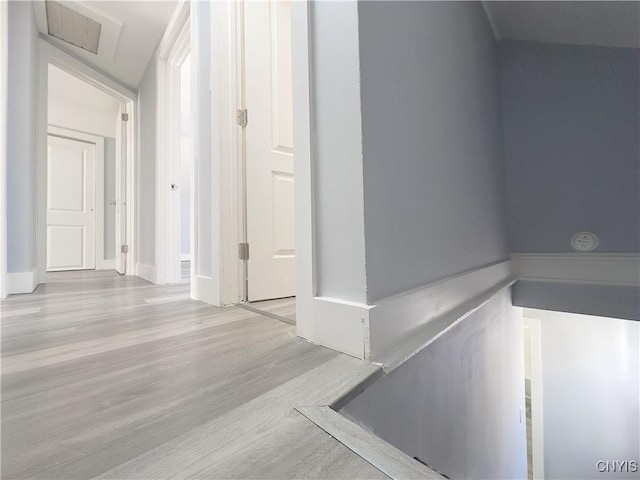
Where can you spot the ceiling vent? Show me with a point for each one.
(78, 27)
(72, 27)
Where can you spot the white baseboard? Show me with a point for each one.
(185, 257)
(22, 282)
(341, 325)
(590, 268)
(374, 332)
(396, 321)
(205, 289)
(148, 272)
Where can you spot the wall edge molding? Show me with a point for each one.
(203, 289)
(341, 325)
(615, 269)
(148, 272)
(421, 311)
(22, 282)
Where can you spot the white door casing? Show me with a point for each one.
(270, 199)
(71, 217)
(121, 189)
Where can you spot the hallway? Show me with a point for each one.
(112, 376)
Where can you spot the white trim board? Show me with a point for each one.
(203, 289)
(537, 413)
(22, 282)
(397, 327)
(617, 269)
(148, 272)
(303, 133)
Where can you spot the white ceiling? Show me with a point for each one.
(143, 23)
(608, 24)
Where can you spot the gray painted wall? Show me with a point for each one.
(433, 172)
(591, 394)
(339, 248)
(571, 144)
(456, 405)
(109, 196)
(21, 138)
(147, 165)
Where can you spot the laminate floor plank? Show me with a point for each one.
(280, 307)
(99, 382)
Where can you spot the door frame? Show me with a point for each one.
(54, 56)
(537, 425)
(172, 50)
(227, 41)
(100, 207)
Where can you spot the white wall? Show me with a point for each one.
(433, 172)
(21, 138)
(591, 393)
(456, 405)
(74, 104)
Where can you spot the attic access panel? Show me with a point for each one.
(73, 27)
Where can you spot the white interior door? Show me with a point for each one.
(71, 217)
(269, 150)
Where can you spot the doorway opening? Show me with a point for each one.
(81, 182)
(268, 250)
(85, 168)
(175, 172)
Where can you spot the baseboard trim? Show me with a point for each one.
(374, 332)
(205, 289)
(148, 272)
(341, 325)
(22, 282)
(402, 319)
(619, 269)
(439, 326)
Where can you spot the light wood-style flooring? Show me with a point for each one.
(112, 377)
(283, 309)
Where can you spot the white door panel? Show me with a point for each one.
(71, 220)
(269, 150)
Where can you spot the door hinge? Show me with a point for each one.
(243, 251)
(125, 117)
(124, 248)
(243, 117)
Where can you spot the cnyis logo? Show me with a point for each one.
(625, 466)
